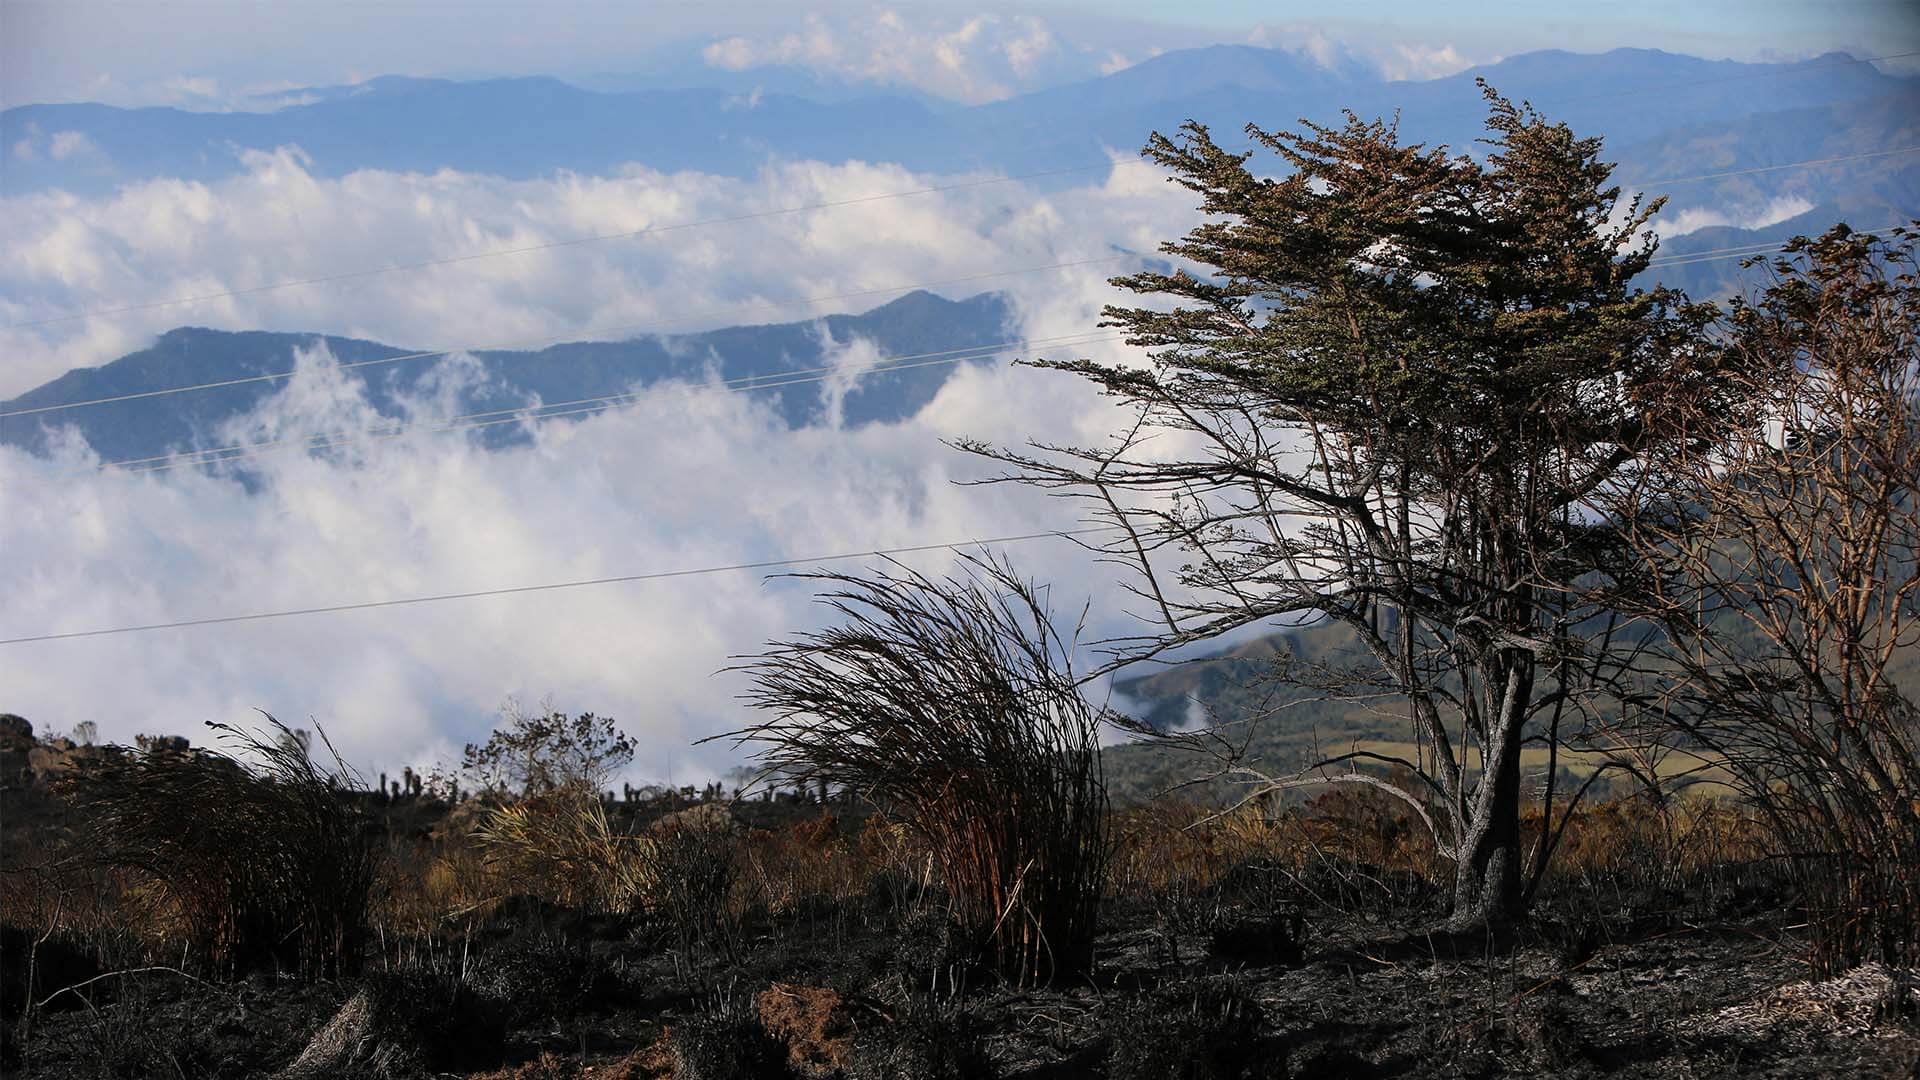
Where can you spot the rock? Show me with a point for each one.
(57, 758)
(704, 818)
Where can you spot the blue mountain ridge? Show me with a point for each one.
(536, 126)
(913, 325)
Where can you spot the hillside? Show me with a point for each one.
(1245, 692)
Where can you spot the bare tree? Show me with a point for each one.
(953, 703)
(532, 753)
(1787, 559)
(1401, 375)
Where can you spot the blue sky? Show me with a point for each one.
(1841, 19)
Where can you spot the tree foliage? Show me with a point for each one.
(1383, 401)
(545, 751)
(1784, 566)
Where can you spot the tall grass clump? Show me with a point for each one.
(559, 846)
(953, 704)
(259, 855)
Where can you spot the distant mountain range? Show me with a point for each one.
(917, 324)
(1665, 116)
(914, 325)
(1662, 114)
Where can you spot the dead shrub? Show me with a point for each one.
(725, 1043)
(1785, 561)
(689, 862)
(805, 871)
(925, 1040)
(1204, 1030)
(265, 862)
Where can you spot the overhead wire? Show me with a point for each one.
(603, 402)
(549, 340)
(657, 575)
(1800, 69)
(273, 376)
(1769, 168)
(580, 406)
(535, 413)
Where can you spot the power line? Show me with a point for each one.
(1681, 258)
(579, 406)
(740, 383)
(658, 575)
(1745, 250)
(550, 340)
(1769, 168)
(801, 376)
(596, 238)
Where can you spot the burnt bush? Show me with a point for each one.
(1207, 1029)
(1258, 940)
(691, 859)
(401, 1024)
(924, 1042)
(260, 856)
(727, 1042)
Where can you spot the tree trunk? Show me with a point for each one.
(1486, 890)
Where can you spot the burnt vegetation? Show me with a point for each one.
(1623, 584)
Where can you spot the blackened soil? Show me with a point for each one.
(1307, 993)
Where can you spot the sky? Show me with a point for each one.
(216, 51)
(684, 478)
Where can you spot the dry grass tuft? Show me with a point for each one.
(560, 847)
(953, 703)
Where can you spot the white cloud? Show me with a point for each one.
(1389, 56)
(60, 146)
(278, 221)
(192, 90)
(69, 144)
(974, 59)
(1671, 223)
(686, 478)
(682, 479)
(1420, 62)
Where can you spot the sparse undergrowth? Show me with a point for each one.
(1233, 946)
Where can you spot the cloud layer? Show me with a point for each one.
(278, 221)
(684, 478)
(972, 59)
